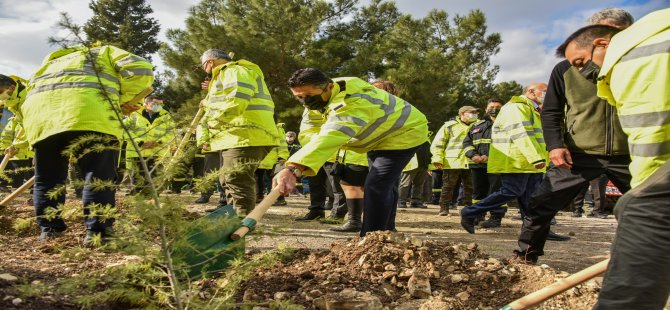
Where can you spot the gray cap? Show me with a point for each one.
(467, 108)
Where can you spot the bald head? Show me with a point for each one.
(535, 91)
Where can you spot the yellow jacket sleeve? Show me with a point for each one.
(135, 72)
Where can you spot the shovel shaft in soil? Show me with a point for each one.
(18, 191)
(254, 216)
(560, 286)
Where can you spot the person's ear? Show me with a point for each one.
(601, 42)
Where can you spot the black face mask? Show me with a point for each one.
(314, 102)
(590, 71)
(492, 112)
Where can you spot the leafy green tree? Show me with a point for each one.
(125, 24)
(275, 34)
(442, 64)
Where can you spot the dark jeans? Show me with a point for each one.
(318, 192)
(261, 176)
(381, 188)
(638, 275)
(519, 186)
(51, 172)
(483, 184)
(559, 187)
(437, 186)
(451, 182)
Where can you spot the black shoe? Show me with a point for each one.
(468, 223)
(577, 214)
(46, 235)
(421, 206)
(311, 216)
(329, 206)
(203, 199)
(553, 221)
(556, 237)
(402, 206)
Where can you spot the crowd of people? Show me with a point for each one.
(603, 115)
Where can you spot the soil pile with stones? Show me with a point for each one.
(388, 270)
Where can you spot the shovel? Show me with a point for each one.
(17, 192)
(213, 242)
(560, 286)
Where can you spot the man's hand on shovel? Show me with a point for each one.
(285, 180)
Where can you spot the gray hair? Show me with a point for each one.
(615, 16)
(214, 54)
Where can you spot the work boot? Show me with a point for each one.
(354, 223)
(492, 222)
(444, 211)
(556, 237)
(312, 215)
(468, 223)
(204, 198)
(577, 214)
(597, 215)
(281, 201)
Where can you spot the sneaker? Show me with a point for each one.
(51, 234)
(311, 216)
(556, 237)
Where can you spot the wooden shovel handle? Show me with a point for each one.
(558, 287)
(5, 160)
(18, 191)
(257, 213)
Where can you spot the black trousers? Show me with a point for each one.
(596, 191)
(51, 172)
(381, 188)
(638, 275)
(483, 184)
(318, 192)
(558, 189)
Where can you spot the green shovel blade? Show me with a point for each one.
(206, 247)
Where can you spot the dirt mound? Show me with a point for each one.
(390, 270)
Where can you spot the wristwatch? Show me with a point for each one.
(295, 170)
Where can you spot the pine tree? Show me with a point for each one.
(125, 24)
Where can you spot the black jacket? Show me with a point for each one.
(478, 141)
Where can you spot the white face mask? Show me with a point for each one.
(471, 117)
(156, 108)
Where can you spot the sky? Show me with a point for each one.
(530, 29)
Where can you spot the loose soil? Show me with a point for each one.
(464, 271)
